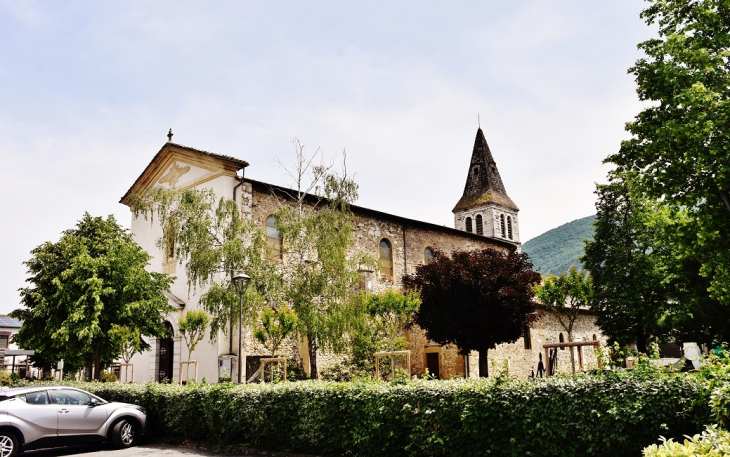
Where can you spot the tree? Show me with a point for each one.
(81, 287)
(475, 299)
(319, 271)
(209, 236)
(627, 263)
(393, 312)
(564, 296)
(192, 327)
(276, 326)
(679, 148)
(128, 340)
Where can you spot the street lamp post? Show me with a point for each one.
(240, 282)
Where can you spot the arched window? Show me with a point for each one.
(386, 258)
(509, 227)
(480, 226)
(468, 224)
(273, 239)
(595, 338)
(561, 338)
(428, 256)
(501, 224)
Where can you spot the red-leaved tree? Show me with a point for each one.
(475, 299)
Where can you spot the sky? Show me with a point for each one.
(88, 91)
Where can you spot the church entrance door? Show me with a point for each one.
(432, 363)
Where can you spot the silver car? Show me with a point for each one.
(52, 416)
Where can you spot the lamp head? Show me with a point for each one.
(240, 282)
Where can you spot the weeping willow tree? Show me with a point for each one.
(320, 266)
(213, 241)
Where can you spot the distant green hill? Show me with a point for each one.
(557, 249)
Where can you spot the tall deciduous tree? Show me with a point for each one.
(680, 145)
(475, 299)
(564, 297)
(83, 286)
(209, 236)
(319, 270)
(628, 264)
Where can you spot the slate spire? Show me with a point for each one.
(483, 183)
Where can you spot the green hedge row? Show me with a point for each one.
(581, 416)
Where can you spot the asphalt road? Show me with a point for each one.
(137, 451)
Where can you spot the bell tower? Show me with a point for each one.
(485, 208)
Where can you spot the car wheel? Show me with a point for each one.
(124, 434)
(8, 444)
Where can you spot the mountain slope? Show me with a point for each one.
(557, 249)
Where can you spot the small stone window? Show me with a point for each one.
(561, 339)
(509, 227)
(386, 258)
(468, 224)
(595, 338)
(480, 225)
(273, 239)
(428, 256)
(501, 224)
(476, 171)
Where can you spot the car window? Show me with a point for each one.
(35, 398)
(71, 397)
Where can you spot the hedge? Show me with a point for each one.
(576, 416)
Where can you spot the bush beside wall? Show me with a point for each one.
(580, 416)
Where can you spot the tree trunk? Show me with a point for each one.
(312, 344)
(641, 340)
(97, 364)
(88, 372)
(572, 353)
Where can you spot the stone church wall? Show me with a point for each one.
(409, 239)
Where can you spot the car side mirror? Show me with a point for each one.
(94, 402)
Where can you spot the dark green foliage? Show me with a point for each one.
(84, 287)
(558, 249)
(679, 141)
(614, 415)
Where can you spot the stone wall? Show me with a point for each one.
(409, 239)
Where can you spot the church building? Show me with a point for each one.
(484, 217)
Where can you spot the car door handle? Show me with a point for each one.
(62, 411)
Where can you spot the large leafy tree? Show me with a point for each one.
(680, 145)
(565, 296)
(83, 287)
(628, 264)
(475, 299)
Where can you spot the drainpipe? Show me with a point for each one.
(240, 183)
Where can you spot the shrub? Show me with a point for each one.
(711, 443)
(617, 414)
(6, 379)
(107, 377)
